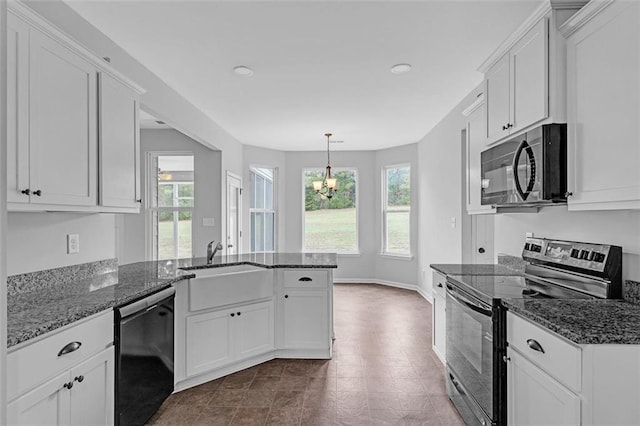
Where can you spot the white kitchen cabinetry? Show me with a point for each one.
(119, 144)
(525, 76)
(475, 144)
(438, 315)
(305, 313)
(553, 381)
(218, 338)
(55, 119)
(75, 388)
(604, 106)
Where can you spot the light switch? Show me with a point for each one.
(208, 221)
(453, 222)
(73, 243)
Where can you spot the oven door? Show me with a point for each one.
(470, 355)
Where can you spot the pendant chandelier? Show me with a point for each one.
(328, 185)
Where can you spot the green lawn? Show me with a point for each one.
(165, 239)
(335, 230)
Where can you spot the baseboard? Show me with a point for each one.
(386, 283)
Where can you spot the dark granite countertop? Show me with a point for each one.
(472, 269)
(47, 300)
(585, 322)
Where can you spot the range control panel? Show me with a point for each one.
(579, 255)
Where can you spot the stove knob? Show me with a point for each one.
(592, 255)
(527, 246)
(575, 253)
(584, 254)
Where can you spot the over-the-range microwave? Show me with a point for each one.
(527, 170)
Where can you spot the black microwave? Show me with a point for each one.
(530, 169)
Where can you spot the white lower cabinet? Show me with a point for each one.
(215, 339)
(76, 388)
(305, 319)
(439, 315)
(552, 381)
(535, 398)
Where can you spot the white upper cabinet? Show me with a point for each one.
(603, 91)
(55, 118)
(119, 143)
(525, 76)
(62, 125)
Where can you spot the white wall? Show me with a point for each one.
(208, 199)
(440, 180)
(270, 158)
(608, 227)
(3, 215)
(395, 269)
(38, 241)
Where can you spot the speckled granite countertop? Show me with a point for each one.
(472, 269)
(31, 314)
(47, 300)
(583, 321)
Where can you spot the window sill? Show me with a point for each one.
(339, 254)
(407, 257)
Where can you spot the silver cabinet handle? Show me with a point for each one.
(70, 347)
(533, 344)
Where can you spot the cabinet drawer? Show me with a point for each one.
(31, 365)
(560, 359)
(439, 284)
(305, 278)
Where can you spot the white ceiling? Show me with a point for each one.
(319, 65)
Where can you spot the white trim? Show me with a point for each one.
(25, 13)
(584, 15)
(274, 202)
(407, 257)
(230, 176)
(474, 106)
(385, 208)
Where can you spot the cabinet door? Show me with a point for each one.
(48, 404)
(17, 110)
(62, 126)
(119, 144)
(529, 77)
(253, 330)
(476, 143)
(535, 398)
(92, 396)
(209, 341)
(496, 89)
(306, 319)
(604, 110)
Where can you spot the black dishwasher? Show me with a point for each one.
(144, 356)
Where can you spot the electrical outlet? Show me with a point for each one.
(208, 221)
(73, 243)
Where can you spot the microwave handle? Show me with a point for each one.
(524, 146)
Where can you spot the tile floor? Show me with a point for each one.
(383, 372)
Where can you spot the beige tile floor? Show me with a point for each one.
(383, 372)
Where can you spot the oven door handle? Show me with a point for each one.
(476, 306)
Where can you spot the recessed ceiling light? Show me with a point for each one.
(243, 71)
(401, 68)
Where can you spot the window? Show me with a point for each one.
(330, 225)
(171, 185)
(397, 210)
(262, 209)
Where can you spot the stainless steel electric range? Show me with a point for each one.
(476, 319)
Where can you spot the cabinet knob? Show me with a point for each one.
(286, 296)
(68, 385)
(509, 125)
(481, 250)
(506, 358)
(139, 200)
(239, 313)
(26, 191)
(233, 315)
(78, 379)
(439, 285)
(37, 192)
(568, 194)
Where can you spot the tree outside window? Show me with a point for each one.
(262, 209)
(330, 225)
(397, 210)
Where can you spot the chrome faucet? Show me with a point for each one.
(211, 251)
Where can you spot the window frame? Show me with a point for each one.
(274, 210)
(355, 252)
(150, 206)
(385, 209)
